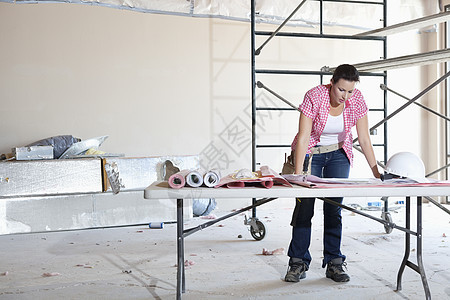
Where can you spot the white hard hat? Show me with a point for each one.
(406, 164)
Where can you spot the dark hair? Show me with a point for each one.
(347, 72)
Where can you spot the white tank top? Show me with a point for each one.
(333, 132)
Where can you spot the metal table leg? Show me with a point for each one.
(419, 249)
(181, 283)
(407, 244)
(406, 262)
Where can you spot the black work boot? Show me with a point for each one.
(297, 270)
(335, 270)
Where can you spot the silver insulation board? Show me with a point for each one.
(33, 152)
(80, 211)
(137, 173)
(50, 177)
(67, 194)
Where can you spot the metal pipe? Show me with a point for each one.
(258, 51)
(192, 230)
(421, 269)
(262, 86)
(275, 108)
(357, 148)
(253, 64)
(409, 25)
(384, 87)
(407, 245)
(321, 16)
(385, 127)
(446, 97)
(438, 170)
(437, 204)
(322, 36)
(181, 287)
(419, 59)
(274, 146)
(253, 79)
(426, 90)
(324, 71)
(384, 222)
(352, 1)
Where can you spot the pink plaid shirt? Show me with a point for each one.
(316, 105)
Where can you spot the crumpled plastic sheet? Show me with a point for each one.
(274, 12)
(60, 143)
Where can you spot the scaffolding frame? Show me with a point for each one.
(367, 69)
(383, 65)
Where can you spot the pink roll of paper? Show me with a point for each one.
(235, 184)
(267, 183)
(178, 180)
(231, 182)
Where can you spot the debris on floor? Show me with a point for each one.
(188, 263)
(50, 274)
(273, 252)
(210, 216)
(87, 266)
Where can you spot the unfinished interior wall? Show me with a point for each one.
(135, 77)
(166, 85)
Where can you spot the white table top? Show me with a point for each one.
(161, 190)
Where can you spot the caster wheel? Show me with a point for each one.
(387, 217)
(259, 232)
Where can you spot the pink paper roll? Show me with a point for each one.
(178, 180)
(267, 183)
(236, 184)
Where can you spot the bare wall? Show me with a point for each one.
(142, 79)
(168, 85)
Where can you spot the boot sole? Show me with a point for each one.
(294, 278)
(347, 279)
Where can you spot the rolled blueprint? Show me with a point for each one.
(177, 180)
(267, 184)
(231, 182)
(195, 178)
(211, 178)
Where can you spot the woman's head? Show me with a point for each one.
(343, 83)
(347, 72)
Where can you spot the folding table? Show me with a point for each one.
(160, 190)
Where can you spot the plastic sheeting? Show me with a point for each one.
(60, 143)
(354, 15)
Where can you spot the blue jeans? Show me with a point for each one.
(333, 164)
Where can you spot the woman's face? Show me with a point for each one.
(340, 91)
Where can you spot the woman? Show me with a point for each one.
(328, 113)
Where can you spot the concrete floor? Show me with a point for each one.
(139, 263)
